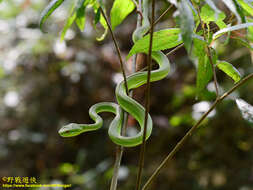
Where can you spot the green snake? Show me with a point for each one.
(125, 102)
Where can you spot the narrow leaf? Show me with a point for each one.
(54, 4)
(204, 73)
(232, 7)
(232, 28)
(208, 15)
(187, 24)
(163, 39)
(120, 10)
(229, 69)
(247, 6)
(80, 19)
(246, 110)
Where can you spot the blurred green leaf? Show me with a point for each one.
(246, 110)
(208, 15)
(204, 73)
(163, 39)
(229, 69)
(187, 24)
(80, 20)
(69, 22)
(68, 168)
(120, 10)
(247, 6)
(53, 5)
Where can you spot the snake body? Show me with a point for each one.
(125, 102)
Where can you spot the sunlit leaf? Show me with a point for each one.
(247, 6)
(232, 28)
(120, 10)
(250, 31)
(187, 24)
(54, 4)
(208, 15)
(229, 69)
(246, 110)
(96, 7)
(68, 23)
(80, 12)
(163, 39)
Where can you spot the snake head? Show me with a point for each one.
(70, 130)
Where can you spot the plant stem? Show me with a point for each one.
(160, 17)
(117, 48)
(120, 149)
(147, 100)
(189, 133)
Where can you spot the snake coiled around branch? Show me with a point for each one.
(125, 102)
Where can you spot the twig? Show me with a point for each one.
(175, 49)
(120, 149)
(117, 48)
(189, 133)
(160, 17)
(147, 100)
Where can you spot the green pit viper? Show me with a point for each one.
(125, 102)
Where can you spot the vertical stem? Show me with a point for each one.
(147, 102)
(120, 149)
(117, 49)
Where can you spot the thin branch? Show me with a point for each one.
(147, 102)
(120, 149)
(160, 17)
(189, 133)
(163, 14)
(175, 49)
(117, 48)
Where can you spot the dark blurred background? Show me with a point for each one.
(46, 83)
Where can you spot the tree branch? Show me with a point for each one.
(189, 133)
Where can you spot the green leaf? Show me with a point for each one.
(229, 69)
(204, 73)
(187, 24)
(77, 14)
(208, 15)
(68, 23)
(232, 28)
(120, 10)
(246, 110)
(238, 10)
(102, 21)
(80, 20)
(250, 31)
(54, 4)
(163, 39)
(247, 6)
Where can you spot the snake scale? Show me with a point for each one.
(125, 102)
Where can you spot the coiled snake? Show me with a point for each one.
(125, 102)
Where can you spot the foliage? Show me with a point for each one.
(208, 34)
